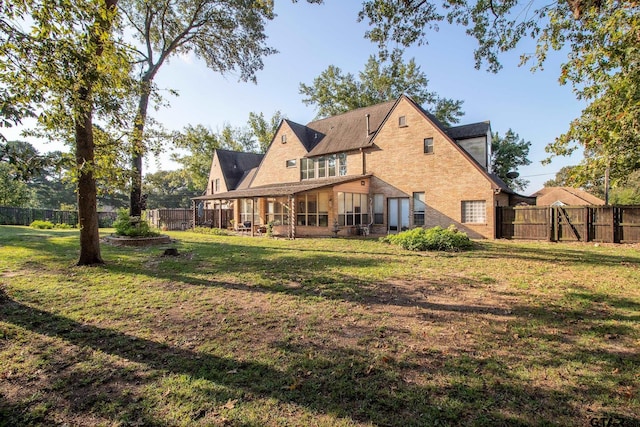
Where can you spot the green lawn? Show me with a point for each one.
(248, 331)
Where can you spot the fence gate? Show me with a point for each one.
(569, 223)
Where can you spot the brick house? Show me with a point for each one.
(384, 168)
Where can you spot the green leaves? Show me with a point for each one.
(334, 93)
(507, 154)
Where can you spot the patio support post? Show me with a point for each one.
(253, 215)
(194, 215)
(292, 219)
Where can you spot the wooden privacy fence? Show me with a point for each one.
(616, 224)
(25, 216)
(182, 219)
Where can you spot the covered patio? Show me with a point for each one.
(308, 208)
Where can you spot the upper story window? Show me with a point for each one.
(428, 145)
(291, 163)
(307, 169)
(283, 139)
(324, 167)
(217, 185)
(402, 121)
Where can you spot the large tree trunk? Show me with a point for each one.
(138, 148)
(87, 200)
(85, 152)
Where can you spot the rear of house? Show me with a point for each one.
(381, 169)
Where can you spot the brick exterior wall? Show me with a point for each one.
(215, 173)
(273, 169)
(446, 176)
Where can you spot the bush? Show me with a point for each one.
(63, 226)
(42, 225)
(432, 239)
(213, 231)
(132, 226)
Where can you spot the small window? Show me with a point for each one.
(402, 121)
(378, 209)
(291, 163)
(418, 209)
(283, 139)
(474, 212)
(217, 185)
(428, 145)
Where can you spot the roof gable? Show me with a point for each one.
(347, 131)
(569, 195)
(234, 165)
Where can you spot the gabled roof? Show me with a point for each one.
(568, 195)
(347, 131)
(303, 133)
(472, 130)
(234, 165)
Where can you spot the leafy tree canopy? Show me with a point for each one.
(507, 154)
(169, 189)
(628, 193)
(334, 92)
(13, 192)
(573, 176)
(228, 35)
(197, 143)
(601, 37)
(264, 130)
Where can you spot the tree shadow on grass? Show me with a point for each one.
(557, 254)
(342, 383)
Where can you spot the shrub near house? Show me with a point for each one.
(432, 239)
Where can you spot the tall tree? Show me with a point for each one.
(170, 189)
(25, 160)
(69, 65)
(507, 154)
(227, 35)
(13, 192)
(264, 130)
(334, 92)
(600, 35)
(197, 143)
(628, 192)
(575, 176)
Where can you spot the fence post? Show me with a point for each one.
(587, 223)
(555, 223)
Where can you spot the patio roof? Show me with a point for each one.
(284, 189)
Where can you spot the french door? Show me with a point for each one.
(398, 209)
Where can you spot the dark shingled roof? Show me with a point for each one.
(468, 131)
(235, 164)
(347, 131)
(303, 133)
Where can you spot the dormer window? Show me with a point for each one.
(283, 139)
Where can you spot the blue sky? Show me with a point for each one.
(309, 38)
